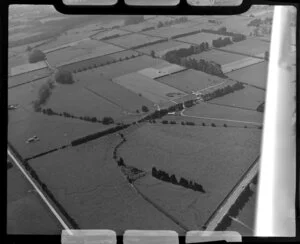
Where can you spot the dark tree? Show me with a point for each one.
(36, 55)
(107, 120)
(64, 77)
(145, 109)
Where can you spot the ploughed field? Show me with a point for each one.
(26, 213)
(92, 189)
(200, 154)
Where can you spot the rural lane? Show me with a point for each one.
(223, 209)
(37, 189)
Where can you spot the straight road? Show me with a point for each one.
(37, 189)
(232, 197)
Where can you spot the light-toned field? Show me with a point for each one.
(239, 64)
(191, 80)
(253, 75)
(162, 48)
(161, 70)
(26, 213)
(115, 93)
(223, 112)
(214, 157)
(152, 90)
(35, 76)
(249, 98)
(21, 35)
(133, 40)
(28, 67)
(139, 27)
(199, 38)
(81, 52)
(93, 190)
(128, 66)
(251, 47)
(109, 33)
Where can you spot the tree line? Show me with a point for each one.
(105, 120)
(163, 176)
(182, 19)
(44, 94)
(134, 19)
(223, 91)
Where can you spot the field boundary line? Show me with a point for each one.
(31, 81)
(239, 53)
(231, 106)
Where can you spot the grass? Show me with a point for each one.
(214, 157)
(26, 213)
(93, 199)
(190, 80)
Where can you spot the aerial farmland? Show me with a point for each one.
(132, 122)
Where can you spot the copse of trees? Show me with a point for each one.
(172, 22)
(255, 22)
(145, 109)
(261, 108)
(36, 55)
(221, 42)
(64, 77)
(163, 176)
(267, 54)
(236, 37)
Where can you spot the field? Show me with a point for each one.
(214, 111)
(82, 102)
(206, 153)
(110, 91)
(161, 70)
(253, 75)
(172, 31)
(152, 90)
(24, 68)
(139, 27)
(128, 66)
(199, 38)
(162, 48)
(80, 52)
(93, 199)
(238, 24)
(109, 33)
(251, 47)
(26, 213)
(99, 60)
(247, 217)
(190, 80)
(228, 61)
(53, 131)
(249, 98)
(35, 75)
(133, 40)
(21, 35)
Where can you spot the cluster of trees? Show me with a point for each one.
(145, 109)
(261, 108)
(223, 91)
(221, 42)
(36, 55)
(44, 94)
(236, 37)
(9, 165)
(64, 77)
(267, 55)
(208, 67)
(98, 135)
(257, 22)
(163, 176)
(182, 19)
(134, 19)
(175, 56)
(105, 120)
